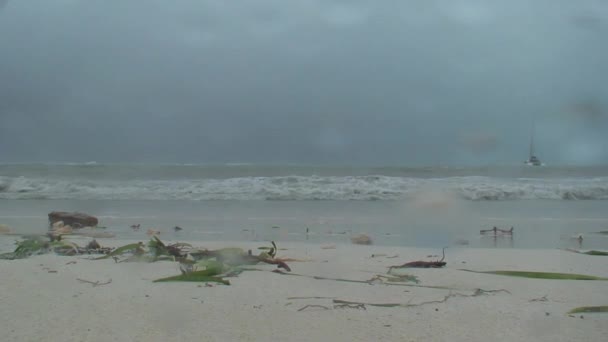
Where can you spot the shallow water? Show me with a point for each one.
(438, 223)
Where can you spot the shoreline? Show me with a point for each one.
(265, 305)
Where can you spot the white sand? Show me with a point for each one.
(36, 305)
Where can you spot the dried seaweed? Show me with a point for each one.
(591, 252)
(135, 248)
(209, 275)
(589, 309)
(475, 293)
(594, 252)
(541, 275)
(422, 264)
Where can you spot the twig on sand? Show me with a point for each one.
(541, 299)
(350, 306)
(94, 283)
(313, 306)
(476, 293)
(368, 282)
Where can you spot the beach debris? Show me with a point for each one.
(214, 265)
(28, 247)
(397, 278)
(384, 255)
(75, 220)
(59, 228)
(422, 264)
(195, 265)
(361, 239)
(151, 231)
(476, 292)
(371, 281)
(135, 248)
(350, 306)
(93, 244)
(34, 245)
(159, 250)
(589, 309)
(94, 283)
(590, 252)
(4, 229)
(313, 306)
(210, 274)
(541, 275)
(497, 231)
(541, 299)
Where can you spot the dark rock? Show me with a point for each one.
(74, 219)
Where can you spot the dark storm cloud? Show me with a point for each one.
(433, 82)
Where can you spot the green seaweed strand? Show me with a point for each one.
(589, 309)
(542, 275)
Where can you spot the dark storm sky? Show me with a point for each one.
(382, 82)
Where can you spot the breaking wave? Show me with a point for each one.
(365, 188)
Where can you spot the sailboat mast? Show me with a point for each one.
(532, 141)
(532, 144)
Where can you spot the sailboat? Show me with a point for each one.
(532, 158)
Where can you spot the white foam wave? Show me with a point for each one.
(304, 188)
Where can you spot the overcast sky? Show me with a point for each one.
(310, 81)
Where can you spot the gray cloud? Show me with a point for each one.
(434, 82)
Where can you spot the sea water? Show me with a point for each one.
(548, 207)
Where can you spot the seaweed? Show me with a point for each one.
(27, 247)
(196, 276)
(589, 309)
(135, 248)
(422, 264)
(541, 275)
(591, 252)
(209, 274)
(594, 252)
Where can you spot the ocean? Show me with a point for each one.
(549, 207)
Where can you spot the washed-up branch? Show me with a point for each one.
(94, 283)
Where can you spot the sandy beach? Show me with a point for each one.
(42, 298)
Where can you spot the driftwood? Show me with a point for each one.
(423, 264)
(94, 283)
